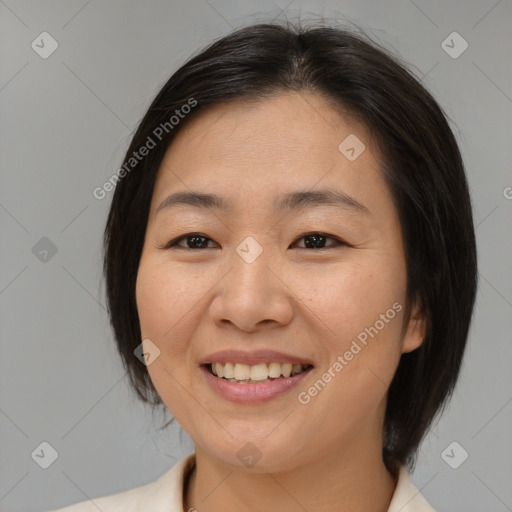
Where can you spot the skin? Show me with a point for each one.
(327, 454)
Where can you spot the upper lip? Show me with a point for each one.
(253, 357)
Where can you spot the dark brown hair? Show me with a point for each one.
(420, 161)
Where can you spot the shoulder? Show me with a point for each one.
(166, 491)
(407, 498)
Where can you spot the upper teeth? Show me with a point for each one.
(262, 371)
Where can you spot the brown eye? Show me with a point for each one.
(192, 240)
(318, 241)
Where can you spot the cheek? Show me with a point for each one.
(362, 308)
(167, 298)
(165, 304)
(349, 299)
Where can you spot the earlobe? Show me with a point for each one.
(415, 334)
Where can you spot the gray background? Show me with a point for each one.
(66, 121)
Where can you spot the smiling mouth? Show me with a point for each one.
(257, 373)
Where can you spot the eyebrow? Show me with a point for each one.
(292, 201)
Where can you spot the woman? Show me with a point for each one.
(291, 271)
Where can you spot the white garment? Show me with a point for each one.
(166, 495)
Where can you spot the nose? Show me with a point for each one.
(253, 296)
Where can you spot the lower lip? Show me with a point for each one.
(251, 393)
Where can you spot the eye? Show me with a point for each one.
(193, 241)
(317, 241)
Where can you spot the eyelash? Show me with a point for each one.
(173, 244)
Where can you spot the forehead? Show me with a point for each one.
(285, 142)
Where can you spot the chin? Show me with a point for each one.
(256, 454)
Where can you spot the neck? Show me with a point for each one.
(354, 479)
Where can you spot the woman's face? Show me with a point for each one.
(252, 282)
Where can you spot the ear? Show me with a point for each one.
(415, 332)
